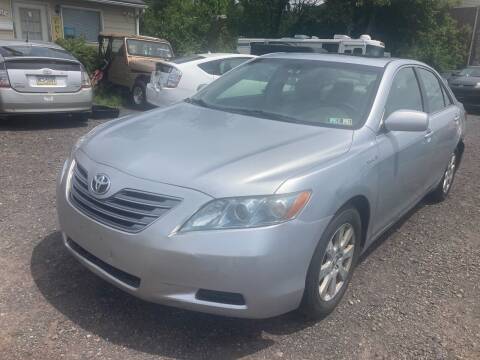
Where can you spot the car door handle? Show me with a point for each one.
(428, 135)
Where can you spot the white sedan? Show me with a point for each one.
(181, 78)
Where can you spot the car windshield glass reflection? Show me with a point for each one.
(303, 91)
(148, 48)
(470, 72)
(16, 51)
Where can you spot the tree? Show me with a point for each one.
(422, 29)
(191, 26)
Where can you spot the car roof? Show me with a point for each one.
(380, 62)
(130, 36)
(30, 43)
(223, 55)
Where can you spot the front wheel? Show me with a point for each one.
(332, 264)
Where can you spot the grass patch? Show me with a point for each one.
(108, 95)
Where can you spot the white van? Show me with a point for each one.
(341, 44)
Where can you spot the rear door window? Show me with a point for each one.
(405, 93)
(433, 90)
(228, 64)
(211, 67)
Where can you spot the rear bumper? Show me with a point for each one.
(165, 96)
(14, 102)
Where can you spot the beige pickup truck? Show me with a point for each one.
(131, 59)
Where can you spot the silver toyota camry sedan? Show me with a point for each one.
(257, 195)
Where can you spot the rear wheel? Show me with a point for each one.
(332, 264)
(443, 189)
(139, 98)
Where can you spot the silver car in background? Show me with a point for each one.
(257, 195)
(39, 78)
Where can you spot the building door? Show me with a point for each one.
(30, 21)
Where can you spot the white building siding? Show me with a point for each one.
(113, 18)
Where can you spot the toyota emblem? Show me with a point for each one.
(100, 184)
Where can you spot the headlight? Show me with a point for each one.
(246, 212)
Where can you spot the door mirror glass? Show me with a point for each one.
(407, 120)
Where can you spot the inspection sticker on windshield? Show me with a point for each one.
(340, 121)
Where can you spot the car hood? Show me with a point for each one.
(216, 152)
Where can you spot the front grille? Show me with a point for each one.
(128, 210)
(120, 275)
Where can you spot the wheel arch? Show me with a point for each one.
(141, 78)
(362, 205)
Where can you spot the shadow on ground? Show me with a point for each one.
(115, 316)
(39, 122)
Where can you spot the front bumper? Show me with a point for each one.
(14, 102)
(266, 266)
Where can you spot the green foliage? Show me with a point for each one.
(86, 53)
(422, 29)
(108, 95)
(191, 26)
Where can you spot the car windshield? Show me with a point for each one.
(149, 48)
(26, 50)
(302, 91)
(470, 71)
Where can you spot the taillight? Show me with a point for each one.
(173, 78)
(85, 78)
(4, 81)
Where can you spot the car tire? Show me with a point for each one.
(139, 95)
(319, 299)
(445, 185)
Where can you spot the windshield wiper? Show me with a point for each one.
(199, 102)
(248, 112)
(263, 114)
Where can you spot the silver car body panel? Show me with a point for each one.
(42, 84)
(14, 102)
(175, 152)
(24, 78)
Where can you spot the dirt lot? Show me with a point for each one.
(416, 294)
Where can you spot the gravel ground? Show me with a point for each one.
(414, 295)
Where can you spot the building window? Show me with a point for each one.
(81, 23)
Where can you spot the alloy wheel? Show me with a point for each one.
(337, 262)
(449, 173)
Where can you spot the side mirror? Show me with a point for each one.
(201, 86)
(406, 120)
